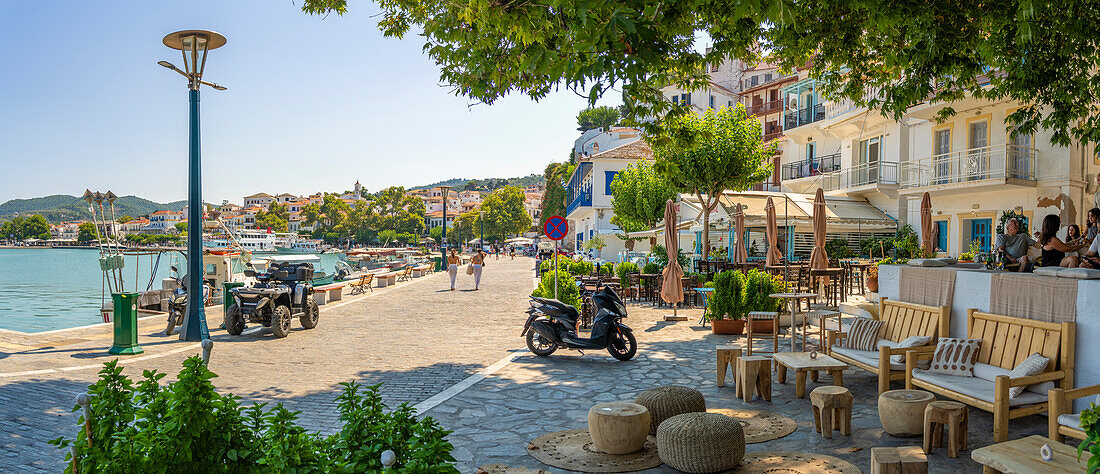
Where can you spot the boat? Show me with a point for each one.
(319, 275)
(294, 245)
(249, 240)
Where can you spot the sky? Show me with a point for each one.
(313, 104)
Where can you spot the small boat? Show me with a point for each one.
(319, 275)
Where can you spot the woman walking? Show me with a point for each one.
(477, 264)
(452, 267)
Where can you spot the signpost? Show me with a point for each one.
(556, 228)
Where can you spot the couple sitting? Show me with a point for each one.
(1054, 252)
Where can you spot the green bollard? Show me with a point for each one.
(228, 299)
(125, 324)
(438, 264)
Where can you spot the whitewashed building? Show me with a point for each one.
(588, 197)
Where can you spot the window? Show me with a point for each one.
(1019, 157)
(977, 161)
(755, 80)
(675, 99)
(870, 150)
(608, 177)
(768, 77)
(941, 151)
(686, 98)
(711, 104)
(729, 103)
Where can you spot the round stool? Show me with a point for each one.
(618, 427)
(669, 401)
(901, 412)
(701, 442)
(832, 407)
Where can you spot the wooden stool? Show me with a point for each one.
(762, 316)
(727, 356)
(753, 372)
(903, 460)
(832, 407)
(901, 412)
(618, 427)
(953, 416)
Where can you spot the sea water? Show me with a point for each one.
(45, 289)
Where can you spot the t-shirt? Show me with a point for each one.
(1095, 247)
(1090, 233)
(1015, 245)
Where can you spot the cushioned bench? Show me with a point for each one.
(900, 320)
(1006, 341)
(328, 293)
(1062, 421)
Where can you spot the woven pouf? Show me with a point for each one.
(668, 401)
(701, 442)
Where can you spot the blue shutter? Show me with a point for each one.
(941, 240)
(608, 176)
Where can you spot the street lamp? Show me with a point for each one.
(443, 246)
(194, 45)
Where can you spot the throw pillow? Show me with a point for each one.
(913, 341)
(955, 356)
(863, 334)
(1079, 273)
(1047, 271)
(1033, 365)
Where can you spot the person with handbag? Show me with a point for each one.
(475, 268)
(452, 267)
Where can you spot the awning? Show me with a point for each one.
(660, 230)
(794, 209)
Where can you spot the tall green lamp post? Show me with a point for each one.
(194, 45)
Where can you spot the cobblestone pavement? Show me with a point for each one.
(494, 420)
(417, 338)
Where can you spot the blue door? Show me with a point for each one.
(980, 231)
(941, 236)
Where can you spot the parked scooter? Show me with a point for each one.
(177, 305)
(553, 324)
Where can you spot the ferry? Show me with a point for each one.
(294, 244)
(251, 240)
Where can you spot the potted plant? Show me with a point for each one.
(975, 249)
(758, 285)
(871, 278)
(727, 309)
(1091, 444)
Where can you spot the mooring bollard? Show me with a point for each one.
(206, 344)
(388, 459)
(85, 402)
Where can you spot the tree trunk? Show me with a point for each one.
(706, 227)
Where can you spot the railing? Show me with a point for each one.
(989, 162)
(803, 116)
(773, 135)
(880, 172)
(579, 188)
(838, 107)
(766, 107)
(811, 167)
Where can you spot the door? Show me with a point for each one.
(941, 156)
(980, 231)
(811, 167)
(977, 161)
(870, 151)
(1019, 157)
(941, 236)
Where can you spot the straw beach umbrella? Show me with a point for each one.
(819, 258)
(926, 244)
(672, 291)
(739, 256)
(773, 255)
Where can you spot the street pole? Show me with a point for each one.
(555, 269)
(194, 323)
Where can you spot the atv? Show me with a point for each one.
(281, 292)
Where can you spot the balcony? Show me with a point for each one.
(992, 165)
(803, 116)
(772, 135)
(811, 167)
(765, 108)
(579, 188)
(863, 176)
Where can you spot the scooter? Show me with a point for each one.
(552, 324)
(177, 305)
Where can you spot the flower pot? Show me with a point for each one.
(872, 284)
(762, 327)
(727, 326)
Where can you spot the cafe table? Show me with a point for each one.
(794, 305)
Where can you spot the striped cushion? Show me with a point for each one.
(955, 356)
(863, 335)
(1033, 365)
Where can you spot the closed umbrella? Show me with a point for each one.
(819, 258)
(773, 255)
(739, 255)
(672, 290)
(926, 225)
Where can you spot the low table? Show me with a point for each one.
(1022, 456)
(801, 363)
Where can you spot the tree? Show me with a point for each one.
(464, 228)
(124, 219)
(275, 218)
(386, 236)
(393, 209)
(505, 212)
(436, 233)
(638, 196)
(1044, 54)
(553, 200)
(86, 232)
(601, 118)
(706, 156)
(181, 227)
(35, 227)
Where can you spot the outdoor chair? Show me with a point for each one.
(1062, 420)
(363, 284)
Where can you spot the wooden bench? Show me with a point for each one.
(386, 279)
(1006, 341)
(328, 293)
(362, 284)
(1061, 419)
(406, 274)
(900, 321)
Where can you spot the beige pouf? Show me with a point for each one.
(901, 412)
(618, 427)
(701, 442)
(669, 401)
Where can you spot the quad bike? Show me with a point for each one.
(281, 293)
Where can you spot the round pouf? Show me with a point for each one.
(668, 401)
(618, 427)
(901, 412)
(701, 442)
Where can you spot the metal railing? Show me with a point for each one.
(773, 135)
(579, 188)
(803, 116)
(989, 162)
(766, 107)
(880, 172)
(811, 167)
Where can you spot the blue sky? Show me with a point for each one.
(313, 104)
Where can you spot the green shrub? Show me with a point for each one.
(623, 271)
(187, 426)
(838, 248)
(1091, 443)
(758, 285)
(651, 268)
(660, 255)
(729, 298)
(581, 268)
(568, 292)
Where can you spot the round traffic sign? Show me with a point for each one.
(556, 228)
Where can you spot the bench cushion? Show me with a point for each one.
(912, 341)
(867, 357)
(976, 387)
(990, 372)
(863, 334)
(927, 262)
(1032, 365)
(1072, 421)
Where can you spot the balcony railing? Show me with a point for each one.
(880, 172)
(811, 167)
(803, 116)
(766, 107)
(989, 162)
(773, 135)
(579, 188)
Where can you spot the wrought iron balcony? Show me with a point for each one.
(995, 162)
(811, 167)
(579, 188)
(768, 107)
(880, 172)
(803, 116)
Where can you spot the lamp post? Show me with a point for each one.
(194, 45)
(443, 245)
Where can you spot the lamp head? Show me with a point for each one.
(194, 45)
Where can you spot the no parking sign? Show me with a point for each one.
(556, 228)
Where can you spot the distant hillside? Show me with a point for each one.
(60, 207)
(488, 184)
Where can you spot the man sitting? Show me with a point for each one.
(1014, 244)
(1091, 259)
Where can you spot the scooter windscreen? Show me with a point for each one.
(607, 298)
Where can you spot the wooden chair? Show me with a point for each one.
(406, 274)
(634, 283)
(1061, 419)
(1006, 341)
(362, 285)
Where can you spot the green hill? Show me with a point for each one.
(487, 184)
(60, 207)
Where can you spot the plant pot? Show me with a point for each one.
(872, 284)
(727, 326)
(762, 327)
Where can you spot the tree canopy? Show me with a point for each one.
(505, 213)
(553, 199)
(638, 196)
(86, 232)
(602, 118)
(1044, 53)
(274, 218)
(20, 228)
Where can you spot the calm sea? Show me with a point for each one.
(44, 289)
